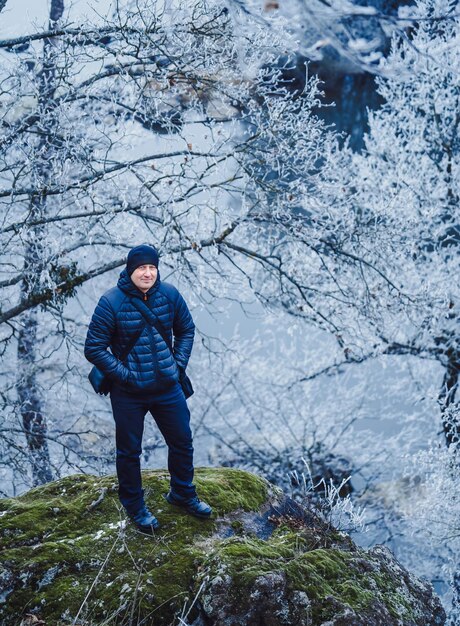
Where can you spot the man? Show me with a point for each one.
(146, 379)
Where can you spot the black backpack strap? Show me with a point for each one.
(150, 318)
(131, 343)
(116, 297)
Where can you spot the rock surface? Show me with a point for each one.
(70, 557)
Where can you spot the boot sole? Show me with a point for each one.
(147, 530)
(184, 508)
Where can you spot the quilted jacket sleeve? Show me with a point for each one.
(184, 332)
(98, 339)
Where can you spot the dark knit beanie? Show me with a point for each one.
(141, 255)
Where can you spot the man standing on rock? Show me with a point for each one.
(137, 320)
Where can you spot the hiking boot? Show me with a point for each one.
(192, 505)
(144, 520)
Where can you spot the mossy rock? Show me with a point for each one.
(70, 556)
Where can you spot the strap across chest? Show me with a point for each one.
(152, 320)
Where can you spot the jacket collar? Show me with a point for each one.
(126, 284)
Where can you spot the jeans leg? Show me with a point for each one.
(172, 416)
(129, 413)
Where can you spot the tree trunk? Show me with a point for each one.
(30, 401)
(450, 417)
(28, 390)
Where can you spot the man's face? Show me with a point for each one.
(144, 277)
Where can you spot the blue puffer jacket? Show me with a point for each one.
(150, 365)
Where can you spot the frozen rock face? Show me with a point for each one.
(348, 80)
(69, 556)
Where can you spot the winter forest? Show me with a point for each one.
(297, 165)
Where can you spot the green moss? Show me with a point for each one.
(229, 489)
(327, 576)
(64, 540)
(237, 527)
(396, 603)
(56, 543)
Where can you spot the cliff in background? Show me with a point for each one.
(349, 86)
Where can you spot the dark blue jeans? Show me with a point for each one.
(172, 416)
